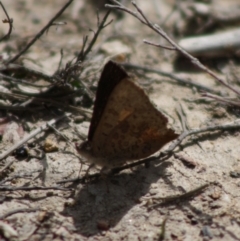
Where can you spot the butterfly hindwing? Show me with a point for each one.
(131, 127)
(125, 125)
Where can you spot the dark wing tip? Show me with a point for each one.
(111, 76)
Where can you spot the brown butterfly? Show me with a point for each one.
(125, 125)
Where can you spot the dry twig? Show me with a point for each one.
(84, 112)
(30, 136)
(156, 28)
(101, 25)
(172, 76)
(20, 81)
(178, 198)
(229, 126)
(227, 101)
(16, 67)
(163, 156)
(41, 32)
(24, 188)
(19, 210)
(9, 21)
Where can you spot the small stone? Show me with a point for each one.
(103, 225)
(50, 146)
(206, 232)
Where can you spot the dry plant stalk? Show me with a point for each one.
(139, 14)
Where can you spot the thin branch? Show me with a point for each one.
(21, 108)
(31, 135)
(21, 81)
(17, 176)
(163, 156)
(9, 21)
(60, 61)
(24, 188)
(229, 126)
(59, 23)
(233, 102)
(42, 31)
(82, 55)
(19, 210)
(86, 113)
(13, 67)
(159, 45)
(186, 160)
(172, 76)
(182, 117)
(143, 19)
(7, 166)
(162, 233)
(178, 198)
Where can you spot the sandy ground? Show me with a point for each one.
(116, 208)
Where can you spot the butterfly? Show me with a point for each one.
(125, 126)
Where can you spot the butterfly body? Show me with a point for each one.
(128, 127)
(86, 150)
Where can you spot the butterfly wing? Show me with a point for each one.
(130, 127)
(112, 74)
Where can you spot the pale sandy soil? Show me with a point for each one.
(117, 209)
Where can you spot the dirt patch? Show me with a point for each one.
(117, 207)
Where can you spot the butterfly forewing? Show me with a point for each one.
(111, 75)
(130, 127)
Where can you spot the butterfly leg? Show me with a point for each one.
(87, 172)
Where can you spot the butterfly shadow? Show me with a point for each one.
(102, 204)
